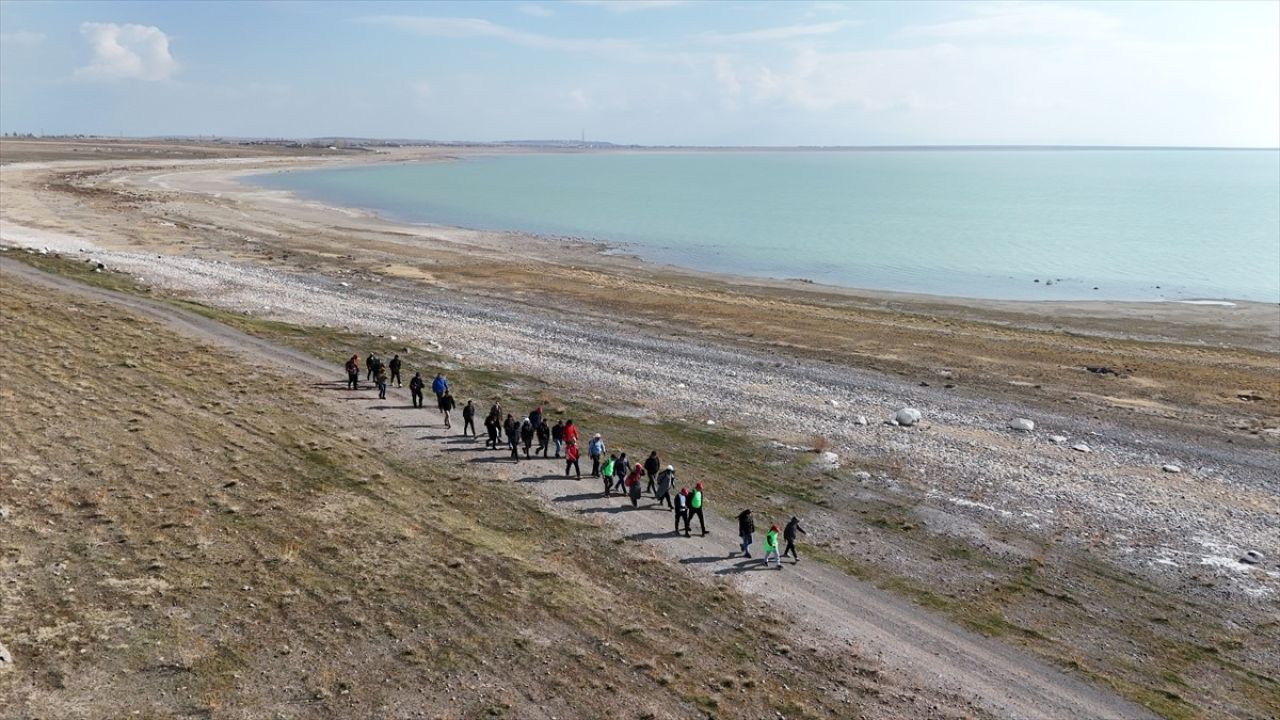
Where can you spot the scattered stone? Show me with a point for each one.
(1252, 557)
(230, 483)
(1081, 448)
(345, 284)
(828, 459)
(1171, 469)
(711, 422)
(908, 416)
(680, 385)
(1100, 370)
(924, 384)
(862, 476)
(862, 420)
(6, 658)
(1057, 439)
(1022, 424)
(834, 403)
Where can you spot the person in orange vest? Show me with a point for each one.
(771, 546)
(695, 509)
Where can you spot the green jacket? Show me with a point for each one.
(696, 502)
(771, 541)
(607, 470)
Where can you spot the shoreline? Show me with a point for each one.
(651, 255)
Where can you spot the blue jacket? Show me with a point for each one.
(439, 385)
(595, 448)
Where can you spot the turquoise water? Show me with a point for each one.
(1135, 225)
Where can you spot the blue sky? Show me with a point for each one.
(658, 73)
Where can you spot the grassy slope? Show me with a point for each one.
(184, 537)
(1167, 652)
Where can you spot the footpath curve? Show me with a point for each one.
(828, 605)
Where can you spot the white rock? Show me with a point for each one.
(829, 459)
(1059, 439)
(862, 420)
(711, 422)
(1171, 469)
(680, 385)
(6, 658)
(345, 284)
(908, 416)
(1081, 448)
(834, 403)
(862, 475)
(1252, 557)
(1022, 424)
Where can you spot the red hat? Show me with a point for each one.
(698, 486)
(684, 491)
(773, 526)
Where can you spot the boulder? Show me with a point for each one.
(1252, 557)
(908, 416)
(6, 658)
(1081, 448)
(1058, 439)
(1022, 424)
(862, 476)
(1171, 469)
(828, 459)
(861, 420)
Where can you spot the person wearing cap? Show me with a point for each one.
(666, 479)
(771, 546)
(746, 528)
(595, 450)
(789, 534)
(682, 510)
(651, 466)
(695, 508)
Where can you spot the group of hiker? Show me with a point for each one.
(617, 471)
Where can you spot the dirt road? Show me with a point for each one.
(829, 606)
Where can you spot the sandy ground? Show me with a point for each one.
(1195, 386)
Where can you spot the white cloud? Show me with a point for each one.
(479, 28)
(1017, 19)
(21, 38)
(120, 52)
(534, 10)
(626, 6)
(785, 32)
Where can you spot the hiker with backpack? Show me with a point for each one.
(595, 450)
(682, 510)
(695, 507)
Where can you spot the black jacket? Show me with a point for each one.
(789, 532)
(746, 523)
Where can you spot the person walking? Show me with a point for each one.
(666, 480)
(415, 389)
(607, 473)
(570, 432)
(571, 460)
(695, 508)
(526, 436)
(595, 450)
(621, 468)
(651, 466)
(491, 426)
(633, 488)
(353, 373)
(746, 528)
(439, 385)
(557, 435)
(535, 417)
(682, 510)
(469, 419)
(543, 431)
(512, 429)
(380, 377)
(789, 534)
(446, 406)
(370, 366)
(771, 546)
(394, 365)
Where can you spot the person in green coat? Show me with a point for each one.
(771, 546)
(607, 473)
(695, 508)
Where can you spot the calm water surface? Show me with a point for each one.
(1136, 225)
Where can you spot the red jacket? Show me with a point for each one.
(571, 452)
(571, 434)
(634, 477)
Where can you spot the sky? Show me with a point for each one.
(657, 72)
